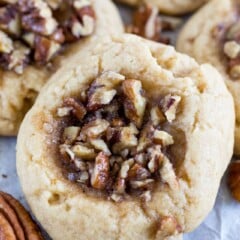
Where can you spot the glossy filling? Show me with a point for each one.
(114, 141)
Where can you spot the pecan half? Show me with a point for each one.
(15, 222)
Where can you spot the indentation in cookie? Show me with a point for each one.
(118, 141)
(34, 31)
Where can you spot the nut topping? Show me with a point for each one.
(34, 25)
(233, 179)
(147, 23)
(117, 147)
(135, 104)
(101, 171)
(231, 50)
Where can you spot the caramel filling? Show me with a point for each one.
(114, 142)
(34, 31)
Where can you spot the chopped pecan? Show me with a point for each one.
(157, 116)
(45, 49)
(125, 168)
(77, 107)
(84, 152)
(155, 157)
(137, 172)
(135, 103)
(99, 144)
(94, 129)
(102, 90)
(70, 134)
(100, 174)
(120, 186)
(145, 137)
(10, 20)
(37, 17)
(148, 24)
(168, 174)
(6, 44)
(127, 138)
(169, 105)
(163, 138)
(231, 49)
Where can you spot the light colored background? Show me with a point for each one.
(223, 223)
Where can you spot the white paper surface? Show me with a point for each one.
(223, 222)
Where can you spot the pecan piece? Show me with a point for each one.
(100, 173)
(233, 179)
(10, 20)
(127, 138)
(135, 103)
(6, 44)
(155, 157)
(15, 222)
(148, 24)
(137, 172)
(94, 129)
(169, 106)
(83, 151)
(70, 134)
(78, 109)
(44, 49)
(37, 17)
(163, 138)
(102, 90)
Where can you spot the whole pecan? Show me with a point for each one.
(15, 221)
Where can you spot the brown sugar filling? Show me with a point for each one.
(32, 32)
(114, 143)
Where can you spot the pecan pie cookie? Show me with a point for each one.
(174, 7)
(38, 36)
(217, 41)
(123, 143)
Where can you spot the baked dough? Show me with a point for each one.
(174, 7)
(200, 39)
(18, 92)
(204, 140)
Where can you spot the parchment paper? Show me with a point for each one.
(223, 222)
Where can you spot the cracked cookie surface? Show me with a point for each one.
(193, 139)
(35, 42)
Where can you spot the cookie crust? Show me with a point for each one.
(18, 92)
(60, 204)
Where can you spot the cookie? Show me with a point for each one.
(123, 141)
(15, 221)
(175, 7)
(216, 41)
(37, 37)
